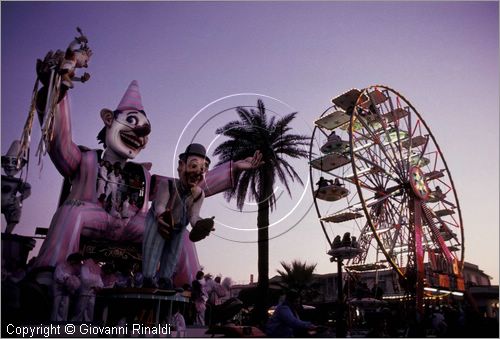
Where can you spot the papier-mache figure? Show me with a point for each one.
(178, 203)
(14, 190)
(77, 56)
(63, 64)
(124, 135)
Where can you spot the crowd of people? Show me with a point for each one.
(79, 278)
(77, 281)
(206, 295)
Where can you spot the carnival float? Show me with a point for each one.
(102, 225)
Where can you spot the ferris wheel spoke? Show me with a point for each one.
(377, 166)
(422, 151)
(370, 155)
(453, 222)
(395, 145)
(393, 163)
(375, 154)
(398, 224)
(367, 177)
(375, 201)
(383, 239)
(408, 142)
(378, 141)
(387, 164)
(389, 126)
(427, 215)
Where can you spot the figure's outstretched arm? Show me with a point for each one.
(62, 150)
(222, 177)
(57, 134)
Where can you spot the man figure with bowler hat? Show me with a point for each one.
(177, 203)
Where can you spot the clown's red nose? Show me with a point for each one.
(143, 130)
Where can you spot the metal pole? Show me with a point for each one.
(341, 325)
(157, 318)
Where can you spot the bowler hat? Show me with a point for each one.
(195, 149)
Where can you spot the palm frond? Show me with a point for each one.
(242, 188)
(245, 116)
(228, 126)
(273, 137)
(292, 174)
(281, 126)
(282, 177)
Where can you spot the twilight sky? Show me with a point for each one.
(442, 56)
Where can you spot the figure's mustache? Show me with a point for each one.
(194, 176)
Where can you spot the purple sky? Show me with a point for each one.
(442, 56)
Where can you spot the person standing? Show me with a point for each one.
(216, 292)
(199, 297)
(178, 322)
(66, 284)
(91, 282)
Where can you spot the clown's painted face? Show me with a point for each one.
(192, 171)
(127, 132)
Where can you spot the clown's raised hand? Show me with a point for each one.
(249, 163)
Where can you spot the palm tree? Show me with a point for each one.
(273, 138)
(298, 276)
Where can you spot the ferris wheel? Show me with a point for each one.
(378, 173)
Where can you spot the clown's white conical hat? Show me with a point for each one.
(14, 149)
(131, 99)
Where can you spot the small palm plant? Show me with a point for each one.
(298, 276)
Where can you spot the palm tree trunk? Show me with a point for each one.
(263, 258)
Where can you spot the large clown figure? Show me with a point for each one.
(124, 135)
(82, 214)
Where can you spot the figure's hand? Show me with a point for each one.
(161, 221)
(250, 162)
(202, 229)
(85, 77)
(196, 192)
(165, 224)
